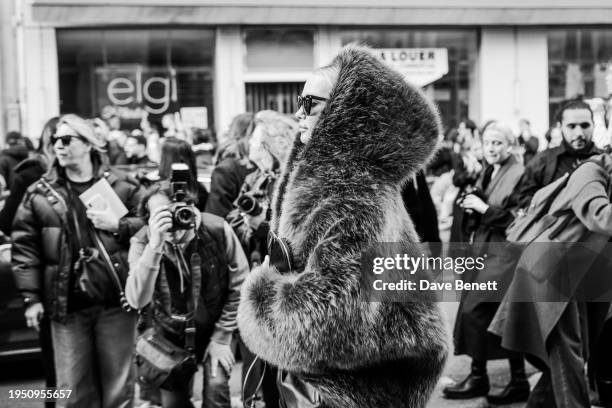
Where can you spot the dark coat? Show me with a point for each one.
(9, 159)
(226, 180)
(545, 168)
(209, 282)
(476, 310)
(530, 146)
(339, 194)
(422, 210)
(462, 179)
(42, 253)
(555, 273)
(26, 173)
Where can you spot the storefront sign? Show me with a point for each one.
(131, 88)
(195, 117)
(420, 66)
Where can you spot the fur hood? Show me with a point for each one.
(339, 194)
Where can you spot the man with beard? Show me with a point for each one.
(575, 119)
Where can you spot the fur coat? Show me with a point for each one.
(340, 193)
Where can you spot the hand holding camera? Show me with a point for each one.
(474, 203)
(160, 223)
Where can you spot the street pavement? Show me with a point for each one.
(457, 367)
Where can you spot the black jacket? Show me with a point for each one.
(42, 254)
(26, 173)
(9, 159)
(226, 180)
(545, 168)
(422, 210)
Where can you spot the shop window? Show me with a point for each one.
(579, 65)
(278, 49)
(452, 91)
(128, 71)
(278, 96)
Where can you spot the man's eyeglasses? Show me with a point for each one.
(66, 139)
(583, 125)
(306, 101)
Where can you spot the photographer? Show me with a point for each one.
(484, 205)
(189, 266)
(269, 147)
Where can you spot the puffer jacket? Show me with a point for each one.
(42, 254)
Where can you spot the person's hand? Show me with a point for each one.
(475, 203)
(219, 354)
(160, 222)
(33, 314)
(103, 220)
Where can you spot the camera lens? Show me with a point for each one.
(184, 216)
(249, 205)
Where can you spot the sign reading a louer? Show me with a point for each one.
(420, 66)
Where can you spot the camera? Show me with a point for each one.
(183, 216)
(248, 204)
(471, 219)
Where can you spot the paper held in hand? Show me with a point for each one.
(102, 197)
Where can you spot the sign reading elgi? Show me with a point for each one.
(420, 66)
(131, 88)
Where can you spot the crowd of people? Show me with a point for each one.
(165, 270)
(493, 178)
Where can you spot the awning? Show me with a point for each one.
(343, 13)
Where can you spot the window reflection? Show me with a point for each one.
(578, 65)
(157, 70)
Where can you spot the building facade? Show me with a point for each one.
(502, 59)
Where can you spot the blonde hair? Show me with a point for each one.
(278, 133)
(85, 129)
(503, 129)
(329, 73)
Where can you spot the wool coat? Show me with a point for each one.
(476, 309)
(553, 273)
(340, 193)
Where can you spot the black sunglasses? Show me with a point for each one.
(280, 253)
(66, 139)
(306, 101)
(583, 125)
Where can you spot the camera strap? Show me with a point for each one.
(114, 275)
(185, 271)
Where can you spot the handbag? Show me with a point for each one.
(160, 362)
(96, 273)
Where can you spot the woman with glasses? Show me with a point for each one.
(364, 131)
(64, 255)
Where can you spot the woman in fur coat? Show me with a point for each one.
(363, 132)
